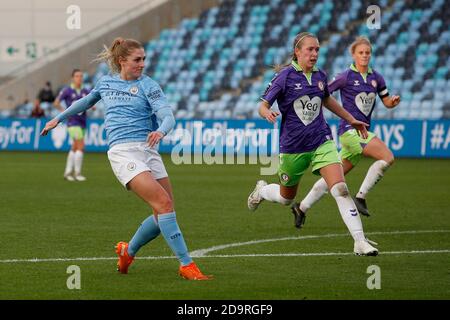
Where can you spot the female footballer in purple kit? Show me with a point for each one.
(358, 86)
(76, 125)
(301, 89)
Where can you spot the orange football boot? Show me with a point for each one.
(192, 272)
(124, 259)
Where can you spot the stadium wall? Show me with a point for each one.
(406, 138)
(142, 23)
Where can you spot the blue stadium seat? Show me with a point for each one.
(207, 60)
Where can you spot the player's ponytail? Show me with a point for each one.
(120, 48)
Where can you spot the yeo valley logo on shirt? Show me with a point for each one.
(307, 109)
(365, 102)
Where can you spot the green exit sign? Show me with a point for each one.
(12, 51)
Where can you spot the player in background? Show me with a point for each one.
(301, 89)
(358, 85)
(137, 117)
(76, 125)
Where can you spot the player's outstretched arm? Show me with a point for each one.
(76, 107)
(331, 104)
(49, 126)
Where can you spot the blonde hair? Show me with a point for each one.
(297, 43)
(120, 48)
(359, 40)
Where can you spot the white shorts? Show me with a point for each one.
(129, 159)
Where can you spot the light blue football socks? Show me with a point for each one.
(168, 226)
(146, 232)
(174, 238)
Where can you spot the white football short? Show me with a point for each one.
(129, 159)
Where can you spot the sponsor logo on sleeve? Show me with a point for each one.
(154, 95)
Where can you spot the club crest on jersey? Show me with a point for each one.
(356, 82)
(284, 177)
(134, 90)
(374, 83)
(298, 86)
(131, 166)
(320, 85)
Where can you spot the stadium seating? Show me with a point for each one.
(218, 65)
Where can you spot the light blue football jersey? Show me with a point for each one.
(130, 107)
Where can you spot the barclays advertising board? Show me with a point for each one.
(406, 138)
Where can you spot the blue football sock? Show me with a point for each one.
(174, 238)
(146, 232)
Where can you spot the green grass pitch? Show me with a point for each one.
(44, 217)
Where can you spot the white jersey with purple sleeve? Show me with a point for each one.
(358, 94)
(300, 98)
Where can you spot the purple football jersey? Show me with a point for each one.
(358, 94)
(69, 95)
(303, 126)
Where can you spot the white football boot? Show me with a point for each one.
(363, 248)
(69, 177)
(254, 199)
(79, 177)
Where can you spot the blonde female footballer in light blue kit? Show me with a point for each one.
(137, 117)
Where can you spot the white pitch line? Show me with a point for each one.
(34, 260)
(251, 255)
(201, 252)
(319, 254)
